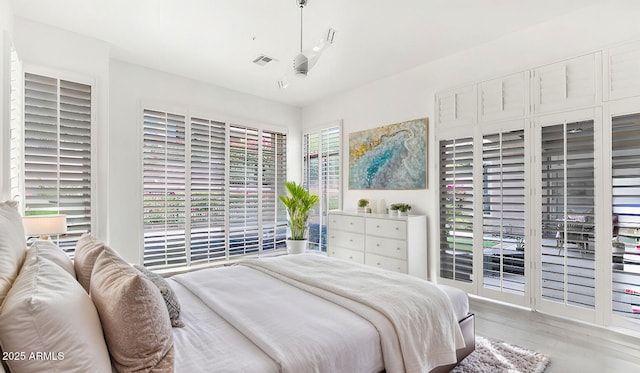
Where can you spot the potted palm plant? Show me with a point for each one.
(298, 203)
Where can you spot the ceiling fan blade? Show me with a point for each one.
(316, 52)
(286, 79)
(325, 42)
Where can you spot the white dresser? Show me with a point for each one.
(394, 243)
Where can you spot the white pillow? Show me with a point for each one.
(47, 310)
(48, 249)
(12, 245)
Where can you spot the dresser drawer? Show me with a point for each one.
(387, 228)
(391, 264)
(346, 223)
(387, 247)
(347, 240)
(354, 256)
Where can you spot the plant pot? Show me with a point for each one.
(297, 246)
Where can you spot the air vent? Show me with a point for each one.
(263, 60)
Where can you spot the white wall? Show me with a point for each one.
(410, 94)
(6, 29)
(133, 88)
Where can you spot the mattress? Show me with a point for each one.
(209, 342)
(459, 300)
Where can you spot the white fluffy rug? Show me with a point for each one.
(492, 356)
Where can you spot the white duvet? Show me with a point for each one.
(310, 313)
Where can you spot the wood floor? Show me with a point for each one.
(571, 346)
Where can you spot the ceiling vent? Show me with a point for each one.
(263, 60)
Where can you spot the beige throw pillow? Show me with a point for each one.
(48, 312)
(134, 317)
(88, 249)
(49, 250)
(12, 245)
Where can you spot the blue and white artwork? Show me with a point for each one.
(389, 157)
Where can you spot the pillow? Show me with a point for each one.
(134, 318)
(49, 250)
(170, 298)
(12, 245)
(87, 251)
(47, 311)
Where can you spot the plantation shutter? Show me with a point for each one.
(17, 129)
(208, 190)
(503, 97)
(321, 169)
(456, 106)
(274, 215)
(565, 84)
(164, 211)
(57, 152)
(568, 263)
(456, 209)
(624, 71)
(330, 171)
(503, 197)
(626, 215)
(244, 230)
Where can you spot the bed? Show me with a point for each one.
(303, 318)
(291, 313)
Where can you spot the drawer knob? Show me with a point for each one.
(397, 228)
(351, 257)
(378, 245)
(350, 223)
(398, 248)
(377, 226)
(377, 264)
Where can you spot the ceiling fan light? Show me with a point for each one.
(301, 64)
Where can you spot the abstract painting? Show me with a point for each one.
(389, 157)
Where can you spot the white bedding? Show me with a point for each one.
(299, 331)
(208, 343)
(304, 333)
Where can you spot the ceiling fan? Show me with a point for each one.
(305, 61)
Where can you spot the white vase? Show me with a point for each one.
(297, 246)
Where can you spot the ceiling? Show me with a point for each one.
(216, 40)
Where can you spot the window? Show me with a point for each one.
(321, 176)
(456, 209)
(54, 158)
(568, 199)
(503, 227)
(210, 190)
(164, 178)
(626, 215)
